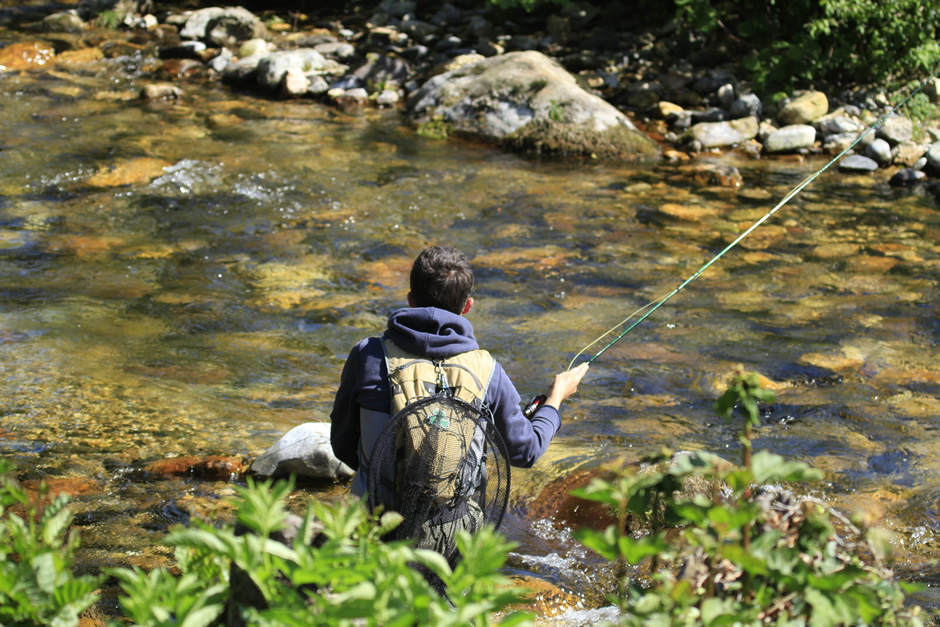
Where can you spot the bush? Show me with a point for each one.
(816, 42)
(341, 574)
(742, 551)
(37, 586)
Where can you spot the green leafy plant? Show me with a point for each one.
(37, 585)
(337, 570)
(786, 45)
(737, 548)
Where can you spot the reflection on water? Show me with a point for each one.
(186, 279)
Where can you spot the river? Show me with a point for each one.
(185, 278)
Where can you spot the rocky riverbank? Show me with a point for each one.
(567, 83)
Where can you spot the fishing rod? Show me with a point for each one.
(651, 307)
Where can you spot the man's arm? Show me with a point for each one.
(344, 419)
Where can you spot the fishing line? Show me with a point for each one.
(656, 304)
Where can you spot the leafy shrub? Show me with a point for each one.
(814, 42)
(341, 574)
(37, 586)
(724, 555)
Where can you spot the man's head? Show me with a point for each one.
(441, 277)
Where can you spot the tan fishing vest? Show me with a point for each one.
(412, 378)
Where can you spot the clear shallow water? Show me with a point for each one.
(186, 278)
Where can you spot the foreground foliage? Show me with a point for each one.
(37, 552)
(337, 571)
(739, 549)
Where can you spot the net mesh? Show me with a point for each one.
(443, 466)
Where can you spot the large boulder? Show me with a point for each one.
(304, 451)
(223, 26)
(528, 102)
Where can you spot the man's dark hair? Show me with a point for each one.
(441, 277)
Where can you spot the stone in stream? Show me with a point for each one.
(304, 451)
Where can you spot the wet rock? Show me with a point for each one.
(804, 109)
(528, 102)
(74, 58)
(720, 134)
(129, 172)
(175, 69)
(273, 67)
(186, 50)
(556, 502)
(790, 138)
(907, 177)
(63, 22)
(692, 213)
(713, 175)
(25, 55)
(161, 91)
(544, 597)
(212, 467)
(858, 163)
(832, 362)
(304, 451)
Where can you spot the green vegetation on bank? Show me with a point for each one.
(694, 544)
(795, 44)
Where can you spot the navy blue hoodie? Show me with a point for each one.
(434, 334)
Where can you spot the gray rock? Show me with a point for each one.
(933, 159)
(858, 163)
(726, 95)
(880, 151)
(790, 139)
(718, 134)
(527, 101)
(304, 451)
(837, 123)
(745, 106)
(336, 49)
(243, 71)
(223, 26)
(383, 70)
(63, 22)
(907, 177)
(273, 67)
(221, 61)
(896, 129)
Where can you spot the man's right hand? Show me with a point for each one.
(565, 384)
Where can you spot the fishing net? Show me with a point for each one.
(443, 466)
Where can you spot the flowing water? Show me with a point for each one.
(185, 278)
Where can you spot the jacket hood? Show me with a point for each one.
(431, 332)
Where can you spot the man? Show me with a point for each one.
(433, 328)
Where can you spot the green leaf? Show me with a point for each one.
(604, 543)
(45, 572)
(635, 551)
(771, 468)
